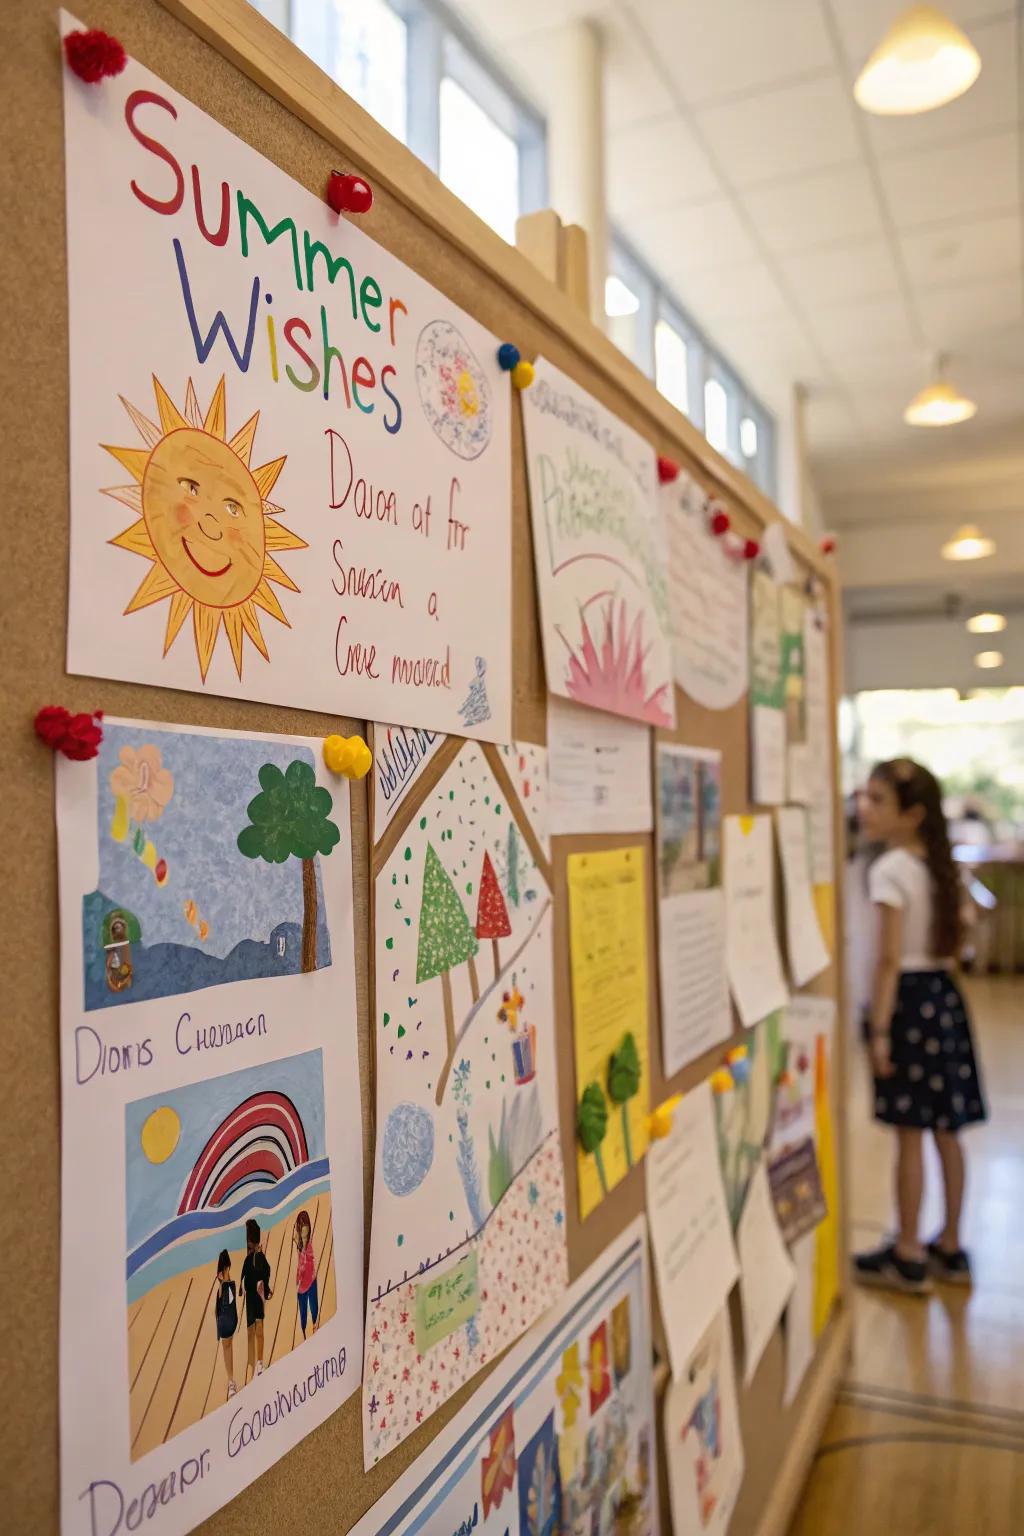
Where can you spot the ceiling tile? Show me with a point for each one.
(738, 293)
(955, 317)
(833, 275)
(778, 134)
(692, 237)
(653, 159)
(863, 23)
(958, 253)
(505, 23)
(991, 103)
(961, 181)
(732, 46)
(830, 423)
(635, 85)
(820, 209)
(862, 327)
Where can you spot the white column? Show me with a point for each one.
(566, 66)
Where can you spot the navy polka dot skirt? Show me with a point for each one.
(936, 1085)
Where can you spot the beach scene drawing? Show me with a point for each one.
(209, 854)
(229, 1238)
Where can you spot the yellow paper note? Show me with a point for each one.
(825, 906)
(608, 950)
(826, 1259)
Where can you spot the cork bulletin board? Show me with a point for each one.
(235, 66)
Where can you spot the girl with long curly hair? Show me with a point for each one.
(922, 1054)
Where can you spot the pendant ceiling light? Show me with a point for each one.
(940, 404)
(922, 62)
(968, 543)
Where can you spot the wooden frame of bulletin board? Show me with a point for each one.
(222, 55)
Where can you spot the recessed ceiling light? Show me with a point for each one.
(968, 543)
(986, 623)
(618, 299)
(922, 62)
(988, 660)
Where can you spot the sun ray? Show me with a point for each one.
(193, 415)
(155, 585)
(264, 598)
(136, 540)
(251, 624)
(234, 631)
(205, 624)
(241, 443)
(266, 476)
(273, 572)
(177, 613)
(280, 537)
(134, 460)
(148, 430)
(127, 495)
(215, 421)
(171, 418)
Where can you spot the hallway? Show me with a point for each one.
(927, 1437)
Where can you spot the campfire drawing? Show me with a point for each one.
(607, 669)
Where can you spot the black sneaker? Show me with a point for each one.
(952, 1268)
(884, 1266)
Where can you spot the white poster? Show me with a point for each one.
(290, 456)
(212, 1211)
(709, 602)
(560, 1436)
(695, 1012)
(767, 1276)
(751, 944)
(600, 769)
(691, 1238)
(768, 750)
(821, 745)
(703, 1444)
(805, 943)
(600, 552)
(804, 1020)
(467, 1244)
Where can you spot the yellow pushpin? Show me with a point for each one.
(721, 1081)
(348, 755)
(659, 1124)
(738, 1053)
(522, 374)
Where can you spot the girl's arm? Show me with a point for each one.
(884, 986)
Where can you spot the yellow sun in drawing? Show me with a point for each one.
(205, 523)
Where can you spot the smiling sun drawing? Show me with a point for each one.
(204, 522)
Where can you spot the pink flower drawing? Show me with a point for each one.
(607, 669)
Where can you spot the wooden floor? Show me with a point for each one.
(174, 1356)
(927, 1438)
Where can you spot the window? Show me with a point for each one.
(478, 160)
(670, 373)
(362, 45)
(716, 415)
(646, 322)
(410, 65)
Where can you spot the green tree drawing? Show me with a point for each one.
(446, 939)
(623, 1083)
(512, 860)
(289, 820)
(591, 1126)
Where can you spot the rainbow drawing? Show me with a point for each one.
(260, 1142)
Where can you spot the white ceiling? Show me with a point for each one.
(814, 243)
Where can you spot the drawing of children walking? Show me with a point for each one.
(225, 1310)
(305, 1271)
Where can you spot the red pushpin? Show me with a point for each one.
(668, 470)
(348, 194)
(828, 544)
(751, 549)
(94, 55)
(720, 522)
(77, 736)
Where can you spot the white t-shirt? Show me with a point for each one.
(901, 879)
